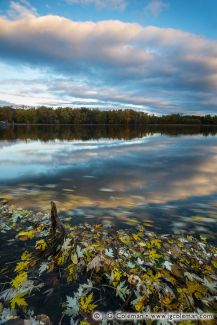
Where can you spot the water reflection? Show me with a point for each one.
(117, 176)
(79, 132)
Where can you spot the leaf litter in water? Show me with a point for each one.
(96, 267)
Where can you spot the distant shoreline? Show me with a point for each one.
(108, 124)
(84, 116)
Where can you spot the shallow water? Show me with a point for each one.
(162, 176)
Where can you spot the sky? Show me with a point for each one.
(156, 56)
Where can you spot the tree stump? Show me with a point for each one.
(57, 231)
(56, 225)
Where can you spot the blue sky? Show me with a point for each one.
(158, 56)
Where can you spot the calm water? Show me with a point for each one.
(165, 177)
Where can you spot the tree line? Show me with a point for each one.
(69, 115)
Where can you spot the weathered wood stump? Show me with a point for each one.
(56, 225)
(57, 231)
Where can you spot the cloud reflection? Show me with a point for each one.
(155, 169)
(160, 180)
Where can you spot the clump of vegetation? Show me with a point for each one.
(103, 269)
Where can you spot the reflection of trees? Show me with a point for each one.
(79, 132)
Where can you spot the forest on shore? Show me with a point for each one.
(69, 115)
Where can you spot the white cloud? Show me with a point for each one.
(155, 7)
(20, 10)
(164, 68)
(101, 4)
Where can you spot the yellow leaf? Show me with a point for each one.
(41, 227)
(19, 279)
(51, 266)
(98, 227)
(214, 263)
(154, 255)
(140, 304)
(180, 244)
(84, 322)
(198, 295)
(74, 258)
(150, 278)
(168, 276)
(18, 300)
(208, 269)
(26, 256)
(126, 239)
(149, 272)
(41, 245)
(196, 288)
(72, 269)
(86, 304)
(148, 244)
(156, 242)
(21, 266)
(24, 235)
(167, 299)
(116, 276)
(60, 260)
(135, 237)
(142, 244)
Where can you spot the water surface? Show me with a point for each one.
(165, 177)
